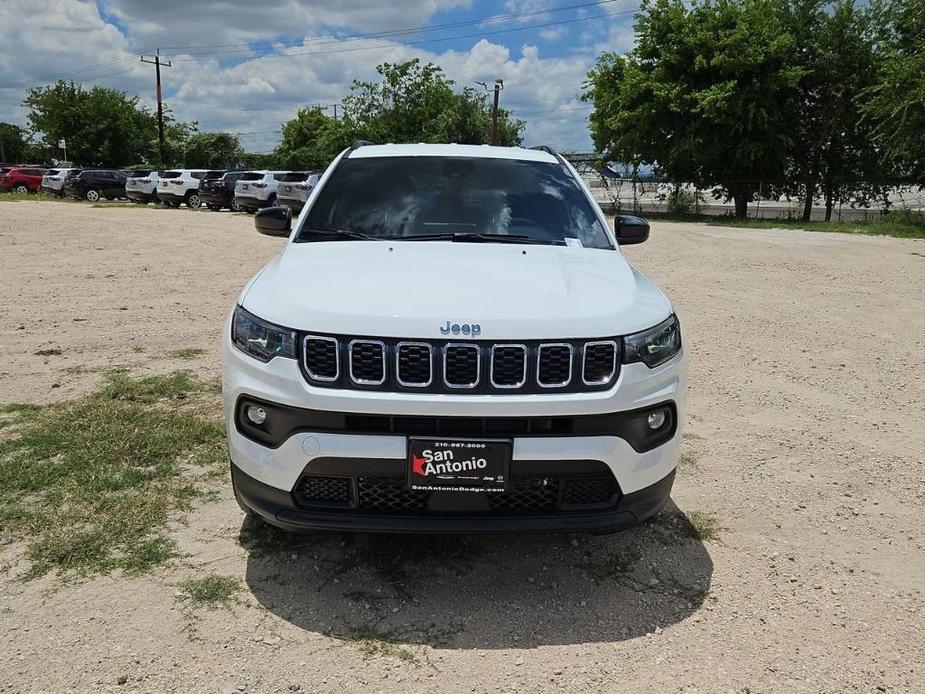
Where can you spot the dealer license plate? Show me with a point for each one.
(458, 465)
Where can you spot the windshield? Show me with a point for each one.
(447, 197)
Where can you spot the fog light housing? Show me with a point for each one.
(656, 420)
(255, 414)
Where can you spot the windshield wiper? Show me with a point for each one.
(339, 233)
(471, 237)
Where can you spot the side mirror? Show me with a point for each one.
(274, 221)
(630, 229)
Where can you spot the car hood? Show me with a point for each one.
(412, 289)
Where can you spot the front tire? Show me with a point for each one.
(92, 195)
(235, 205)
(21, 190)
(193, 201)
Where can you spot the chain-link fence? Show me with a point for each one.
(651, 195)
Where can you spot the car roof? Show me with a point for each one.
(451, 150)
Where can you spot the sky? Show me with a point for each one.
(246, 67)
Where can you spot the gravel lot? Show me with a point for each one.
(805, 442)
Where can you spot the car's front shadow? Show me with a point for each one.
(483, 591)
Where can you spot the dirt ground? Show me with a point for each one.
(805, 441)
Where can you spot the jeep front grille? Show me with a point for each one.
(475, 367)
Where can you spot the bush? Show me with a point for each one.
(682, 201)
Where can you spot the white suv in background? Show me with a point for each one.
(141, 186)
(180, 185)
(256, 189)
(452, 340)
(53, 181)
(295, 188)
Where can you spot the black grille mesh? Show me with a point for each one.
(599, 361)
(367, 361)
(321, 357)
(591, 490)
(555, 365)
(527, 494)
(316, 489)
(415, 364)
(462, 365)
(508, 365)
(391, 494)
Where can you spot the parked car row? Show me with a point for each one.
(217, 189)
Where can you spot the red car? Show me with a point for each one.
(22, 179)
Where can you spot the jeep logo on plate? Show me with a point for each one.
(461, 329)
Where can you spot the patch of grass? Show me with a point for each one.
(47, 352)
(138, 349)
(212, 591)
(899, 224)
(687, 461)
(187, 353)
(177, 385)
(705, 525)
(374, 643)
(90, 484)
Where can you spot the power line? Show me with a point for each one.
(329, 39)
(436, 40)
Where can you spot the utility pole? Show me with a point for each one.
(160, 104)
(493, 133)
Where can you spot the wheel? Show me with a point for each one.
(193, 201)
(92, 195)
(215, 208)
(21, 189)
(235, 205)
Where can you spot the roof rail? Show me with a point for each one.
(359, 143)
(550, 150)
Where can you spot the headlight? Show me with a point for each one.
(654, 346)
(260, 339)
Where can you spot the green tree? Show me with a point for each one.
(416, 103)
(212, 151)
(708, 93)
(895, 104)
(833, 148)
(14, 143)
(102, 126)
(311, 140)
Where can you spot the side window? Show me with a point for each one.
(198, 175)
(279, 176)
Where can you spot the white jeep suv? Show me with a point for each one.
(451, 340)
(141, 186)
(53, 181)
(180, 186)
(257, 189)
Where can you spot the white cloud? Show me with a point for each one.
(255, 94)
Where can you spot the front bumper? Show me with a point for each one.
(279, 508)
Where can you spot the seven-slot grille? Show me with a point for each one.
(460, 367)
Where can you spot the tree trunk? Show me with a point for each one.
(808, 203)
(828, 200)
(741, 204)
